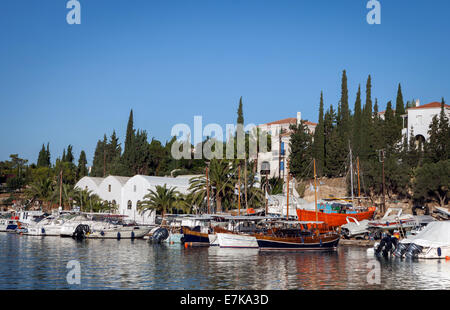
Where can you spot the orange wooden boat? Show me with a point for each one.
(333, 219)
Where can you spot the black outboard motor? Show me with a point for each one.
(160, 235)
(401, 249)
(413, 250)
(81, 231)
(387, 245)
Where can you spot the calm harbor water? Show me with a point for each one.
(29, 262)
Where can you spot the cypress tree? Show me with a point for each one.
(42, 158)
(240, 113)
(63, 159)
(367, 129)
(82, 166)
(319, 139)
(344, 111)
(69, 156)
(129, 150)
(97, 163)
(357, 119)
(399, 108)
(48, 154)
(130, 133)
(300, 155)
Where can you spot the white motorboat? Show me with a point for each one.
(355, 228)
(50, 226)
(8, 225)
(118, 232)
(432, 242)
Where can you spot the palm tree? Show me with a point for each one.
(87, 201)
(163, 200)
(221, 182)
(41, 189)
(184, 203)
(68, 194)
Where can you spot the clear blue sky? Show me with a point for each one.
(170, 60)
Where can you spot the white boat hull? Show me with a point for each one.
(120, 233)
(236, 241)
(213, 239)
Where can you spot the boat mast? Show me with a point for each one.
(351, 169)
(267, 192)
(60, 189)
(239, 188)
(287, 196)
(359, 187)
(207, 189)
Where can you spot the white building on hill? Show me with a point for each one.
(418, 119)
(274, 161)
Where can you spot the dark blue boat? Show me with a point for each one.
(193, 237)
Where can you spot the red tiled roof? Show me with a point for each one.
(431, 105)
(290, 120)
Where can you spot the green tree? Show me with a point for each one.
(432, 182)
(357, 124)
(82, 170)
(300, 155)
(161, 200)
(399, 108)
(319, 139)
(42, 158)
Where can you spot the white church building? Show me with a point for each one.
(126, 192)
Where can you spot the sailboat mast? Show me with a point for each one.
(359, 187)
(207, 190)
(239, 188)
(60, 188)
(287, 197)
(315, 191)
(351, 170)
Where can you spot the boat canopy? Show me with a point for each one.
(435, 234)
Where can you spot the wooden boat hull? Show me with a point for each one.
(195, 238)
(326, 243)
(332, 219)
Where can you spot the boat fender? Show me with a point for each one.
(132, 235)
(102, 233)
(118, 236)
(303, 241)
(42, 230)
(439, 252)
(320, 241)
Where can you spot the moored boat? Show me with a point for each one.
(8, 225)
(301, 238)
(335, 214)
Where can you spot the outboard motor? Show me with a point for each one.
(401, 249)
(160, 235)
(387, 245)
(81, 231)
(413, 250)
